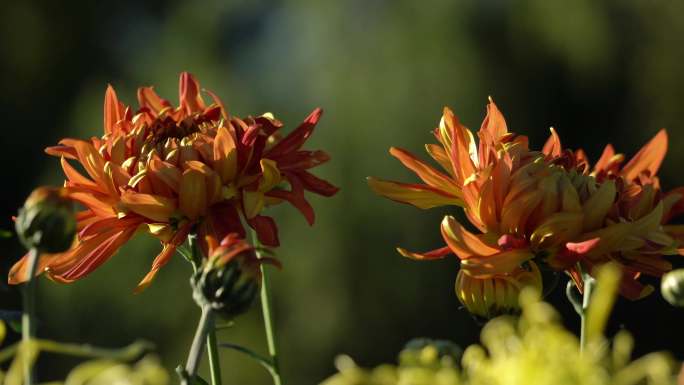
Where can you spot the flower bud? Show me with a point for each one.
(672, 287)
(230, 278)
(47, 221)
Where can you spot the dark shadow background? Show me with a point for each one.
(597, 71)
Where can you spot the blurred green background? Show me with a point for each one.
(599, 72)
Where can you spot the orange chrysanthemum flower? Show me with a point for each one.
(172, 171)
(547, 206)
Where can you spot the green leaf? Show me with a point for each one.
(265, 362)
(6, 234)
(185, 252)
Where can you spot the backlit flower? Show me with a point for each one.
(171, 171)
(547, 206)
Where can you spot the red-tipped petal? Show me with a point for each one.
(648, 158)
(494, 123)
(428, 255)
(266, 230)
(188, 94)
(148, 98)
(112, 111)
(296, 138)
(425, 172)
(553, 148)
(316, 184)
(164, 257)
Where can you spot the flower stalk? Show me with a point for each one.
(206, 331)
(581, 304)
(268, 317)
(195, 354)
(28, 316)
(586, 300)
(212, 353)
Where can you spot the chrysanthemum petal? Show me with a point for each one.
(425, 172)
(76, 177)
(296, 138)
(189, 95)
(552, 148)
(163, 258)
(494, 123)
(155, 207)
(432, 254)
(253, 203)
(225, 154)
(148, 98)
(89, 254)
(648, 158)
(113, 110)
(192, 196)
(558, 228)
(462, 242)
(296, 197)
(597, 206)
(266, 230)
(270, 175)
(500, 263)
(421, 196)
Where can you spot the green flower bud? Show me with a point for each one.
(230, 278)
(47, 220)
(672, 287)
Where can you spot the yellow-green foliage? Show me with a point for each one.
(103, 372)
(534, 349)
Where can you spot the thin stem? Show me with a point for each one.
(268, 318)
(206, 332)
(195, 354)
(212, 351)
(127, 353)
(29, 301)
(586, 299)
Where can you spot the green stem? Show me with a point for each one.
(212, 351)
(127, 353)
(195, 354)
(268, 318)
(206, 330)
(28, 316)
(586, 299)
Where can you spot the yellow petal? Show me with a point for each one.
(428, 174)
(501, 263)
(253, 202)
(225, 155)
(193, 194)
(557, 229)
(270, 175)
(462, 242)
(421, 196)
(162, 231)
(155, 207)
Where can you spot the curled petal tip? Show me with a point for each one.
(314, 116)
